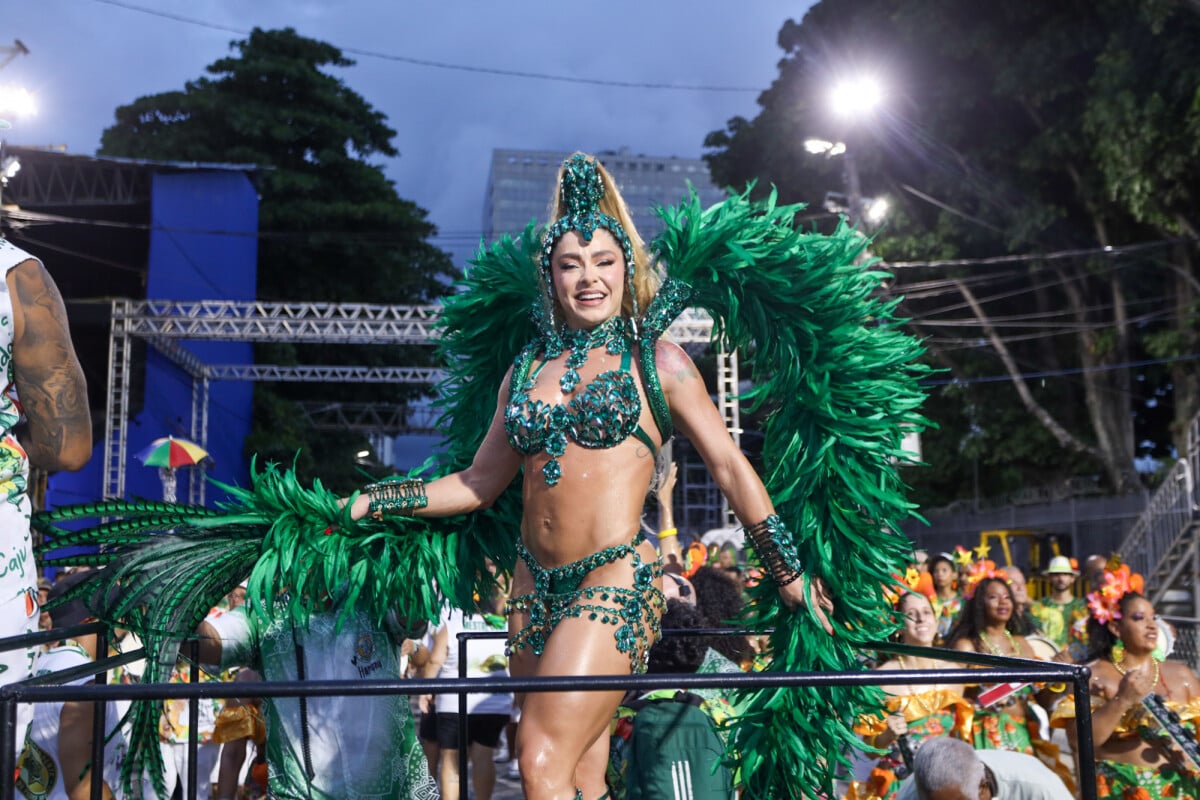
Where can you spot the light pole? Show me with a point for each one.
(871, 210)
(853, 100)
(15, 101)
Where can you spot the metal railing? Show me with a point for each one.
(999, 670)
(1167, 515)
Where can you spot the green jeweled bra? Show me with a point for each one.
(602, 415)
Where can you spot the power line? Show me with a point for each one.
(423, 62)
(388, 236)
(1058, 373)
(1108, 250)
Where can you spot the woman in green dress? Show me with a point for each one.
(1133, 757)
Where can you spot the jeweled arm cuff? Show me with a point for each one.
(776, 552)
(396, 497)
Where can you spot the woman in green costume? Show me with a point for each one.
(583, 413)
(559, 446)
(1133, 757)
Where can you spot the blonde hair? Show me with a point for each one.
(646, 279)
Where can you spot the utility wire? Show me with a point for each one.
(1113, 250)
(423, 62)
(1058, 373)
(385, 236)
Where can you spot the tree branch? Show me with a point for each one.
(1064, 437)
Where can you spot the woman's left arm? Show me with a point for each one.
(695, 415)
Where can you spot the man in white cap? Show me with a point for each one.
(1061, 615)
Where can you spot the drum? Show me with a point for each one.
(1166, 638)
(1043, 648)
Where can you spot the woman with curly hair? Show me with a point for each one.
(1132, 755)
(988, 625)
(719, 599)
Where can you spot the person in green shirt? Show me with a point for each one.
(1061, 615)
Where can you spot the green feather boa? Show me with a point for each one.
(838, 381)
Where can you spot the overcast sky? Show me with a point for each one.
(89, 56)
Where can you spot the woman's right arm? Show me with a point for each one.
(473, 488)
(1135, 684)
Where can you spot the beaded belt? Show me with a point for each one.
(556, 596)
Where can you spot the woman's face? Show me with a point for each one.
(920, 624)
(943, 574)
(997, 602)
(1138, 626)
(588, 278)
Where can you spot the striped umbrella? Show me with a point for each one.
(169, 453)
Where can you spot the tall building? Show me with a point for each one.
(520, 183)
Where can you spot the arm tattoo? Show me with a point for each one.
(48, 376)
(674, 362)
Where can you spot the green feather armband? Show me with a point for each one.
(776, 551)
(396, 497)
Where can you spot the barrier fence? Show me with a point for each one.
(999, 669)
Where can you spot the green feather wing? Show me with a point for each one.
(483, 326)
(164, 567)
(837, 380)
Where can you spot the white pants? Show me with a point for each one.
(18, 615)
(175, 767)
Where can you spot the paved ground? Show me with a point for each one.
(507, 788)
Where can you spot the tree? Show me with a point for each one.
(1001, 136)
(333, 227)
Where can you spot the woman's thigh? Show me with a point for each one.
(563, 725)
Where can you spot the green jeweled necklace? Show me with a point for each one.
(613, 334)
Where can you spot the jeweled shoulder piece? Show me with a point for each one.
(670, 301)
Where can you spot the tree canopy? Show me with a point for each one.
(333, 228)
(1065, 134)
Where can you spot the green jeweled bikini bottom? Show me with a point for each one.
(556, 596)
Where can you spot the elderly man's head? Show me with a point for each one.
(948, 769)
(1016, 580)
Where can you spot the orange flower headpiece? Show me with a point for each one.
(696, 557)
(981, 570)
(1105, 604)
(913, 580)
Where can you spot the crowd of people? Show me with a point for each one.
(959, 602)
(657, 737)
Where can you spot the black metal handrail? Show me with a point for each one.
(1000, 669)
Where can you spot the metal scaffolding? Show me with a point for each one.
(165, 324)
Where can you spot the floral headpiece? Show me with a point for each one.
(1105, 604)
(581, 191)
(696, 557)
(913, 581)
(980, 571)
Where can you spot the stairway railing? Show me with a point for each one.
(1168, 515)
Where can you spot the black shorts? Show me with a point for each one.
(482, 729)
(427, 727)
